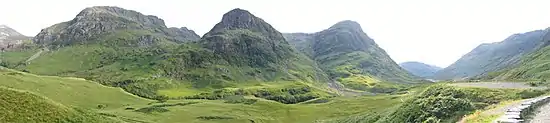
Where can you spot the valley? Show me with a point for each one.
(113, 65)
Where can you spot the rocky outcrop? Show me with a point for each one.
(242, 19)
(522, 112)
(241, 37)
(346, 44)
(11, 39)
(93, 22)
(184, 34)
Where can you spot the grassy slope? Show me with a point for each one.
(25, 107)
(532, 67)
(69, 91)
(88, 95)
(443, 103)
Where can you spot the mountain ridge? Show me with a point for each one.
(10, 39)
(349, 56)
(102, 20)
(489, 57)
(420, 69)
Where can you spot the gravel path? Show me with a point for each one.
(542, 114)
(495, 85)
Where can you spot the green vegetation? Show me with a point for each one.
(446, 104)
(490, 57)
(115, 104)
(347, 54)
(149, 71)
(534, 66)
(443, 103)
(25, 107)
(102, 101)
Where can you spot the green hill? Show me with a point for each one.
(25, 107)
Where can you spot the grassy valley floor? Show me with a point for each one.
(117, 104)
(114, 104)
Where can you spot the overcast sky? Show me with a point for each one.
(436, 32)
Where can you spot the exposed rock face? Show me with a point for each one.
(345, 44)
(244, 38)
(420, 69)
(301, 41)
(93, 22)
(242, 19)
(491, 57)
(183, 34)
(11, 39)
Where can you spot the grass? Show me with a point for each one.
(119, 105)
(533, 66)
(70, 91)
(489, 114)
(25, 107)
(264, 111)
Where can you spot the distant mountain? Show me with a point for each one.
(10, 38)
(349, 56)
(420, 69)
(494, 56)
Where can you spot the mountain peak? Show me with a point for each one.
(93, 22)
(7, 31)
(243, 19)
(239, 18)
(99, 13)
(347, 24)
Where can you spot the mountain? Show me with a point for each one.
(491, 57)
(94, 22)
(532, 66)
(349, 56)
(242, 55)
(420, 69)
(244, 38)
(10, 38)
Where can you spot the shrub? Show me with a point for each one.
(531, 93)
(440, 103)
(101, 106)
(152, 109)
(26, 71)
(214, 117)
(291, 95)
(239, 99)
